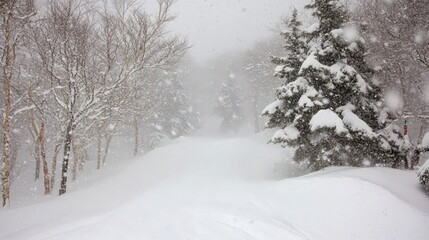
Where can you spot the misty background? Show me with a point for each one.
(174, 92)
(226, 37)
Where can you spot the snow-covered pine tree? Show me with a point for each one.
(174, 116)
(228, 106)
(335, 113)
(296, 49)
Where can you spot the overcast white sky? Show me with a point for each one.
(215, 27)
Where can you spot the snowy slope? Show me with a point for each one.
(227, 189)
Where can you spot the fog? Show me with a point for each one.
(216, 27)
(220, 34)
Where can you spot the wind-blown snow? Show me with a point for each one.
(226, 189)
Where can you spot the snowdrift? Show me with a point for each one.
(228, 189)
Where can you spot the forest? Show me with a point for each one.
(109, 107)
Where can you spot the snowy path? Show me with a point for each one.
(226, 189)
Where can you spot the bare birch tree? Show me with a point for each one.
(89, 60)
(15, 14)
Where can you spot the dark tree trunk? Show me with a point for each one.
(65, 165)
(43, 158)
(54, 165)
(37, 158)
(7, 113)
(76, 160)
(415, 159)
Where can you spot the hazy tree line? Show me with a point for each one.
(246, 85)
(74, 73)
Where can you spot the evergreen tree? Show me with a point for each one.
(296, 49)
(229, 107)
(287, 68)
(174, 116)
(333, 110)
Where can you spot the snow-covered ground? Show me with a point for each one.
(221, 189)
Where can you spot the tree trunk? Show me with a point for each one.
(136, 137)
(405, 161)
(416, 156)
(43, 156)
(66, 157)
(76, 158)
(106, 149)
(54, 165)
(7, 77)
(37, 158)
(415, 159)
(13, 158)
(6, 149)
(99, 142)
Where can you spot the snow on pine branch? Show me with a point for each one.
(327, 119)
